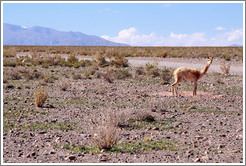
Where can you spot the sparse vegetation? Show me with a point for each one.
(40, 97)
(106, 134)
(117, 114)
(225, 68)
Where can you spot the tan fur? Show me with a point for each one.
(189, 74)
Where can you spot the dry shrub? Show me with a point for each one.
(225, 68)
(40, 96)
(14, 75)
(161, 54)
(107, 77)
(100, 59)
(63, 86)
(9, 53)
(22, 69)
(106, 133)
(72, 58)
(33, 75)
(77, 76)
(119, 61)
(143, 115)
(166, 75)
(117, 74)
(91, 70)
(152, 70)
(139, 71)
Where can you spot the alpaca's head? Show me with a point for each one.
(210, 60)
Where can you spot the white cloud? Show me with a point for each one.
(219, 28)
(177, 36)
(167, 5)
(234, 35)
(132, 37)
(24, 26)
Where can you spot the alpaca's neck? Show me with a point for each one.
(204, 71)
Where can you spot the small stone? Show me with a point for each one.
(155, 128)
(220, 146)
(196, 159)
(205, 158)
(205, 138)
(26, 156)
(102, 157)
(53, 120)
(42, 132)
(52, 152)
(72, 157)
(234, 151)
(198, 137)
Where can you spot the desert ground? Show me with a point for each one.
(101, 109)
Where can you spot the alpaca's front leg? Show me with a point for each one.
(195, 88)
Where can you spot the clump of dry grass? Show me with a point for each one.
(225, 68)
(40, 96)
(143, 115)
(106, 133)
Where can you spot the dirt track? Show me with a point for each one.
(236, 67)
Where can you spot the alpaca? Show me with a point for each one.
(189, 74)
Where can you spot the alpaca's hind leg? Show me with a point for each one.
(174, 86)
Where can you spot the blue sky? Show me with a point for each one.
(141, 24)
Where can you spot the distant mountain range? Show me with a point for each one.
(36, 35)
(235, 45)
